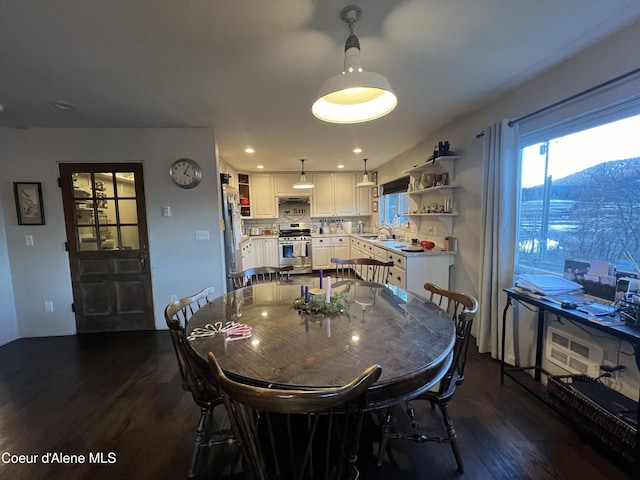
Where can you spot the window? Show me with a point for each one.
(580, 195)
(394, 206)
(106, 211)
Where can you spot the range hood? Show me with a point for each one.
(293, 199)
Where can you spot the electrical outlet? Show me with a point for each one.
(202, 234)
(48, 306)
(432, 231)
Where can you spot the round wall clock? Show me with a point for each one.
(185, 173)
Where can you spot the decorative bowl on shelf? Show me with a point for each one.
(244, 201)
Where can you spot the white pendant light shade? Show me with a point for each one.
(355, 95)
(365, 183)
(303, 183)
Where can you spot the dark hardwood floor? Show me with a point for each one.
(119, 395)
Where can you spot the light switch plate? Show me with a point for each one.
(202, 234)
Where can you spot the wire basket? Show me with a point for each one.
(611, 430)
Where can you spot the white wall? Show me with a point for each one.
(179, 264)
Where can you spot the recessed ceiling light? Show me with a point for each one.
(357, 150)
(340, 166)
(249, 150)
(63, 105)
(260, 167)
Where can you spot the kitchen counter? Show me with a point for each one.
(395, 246)
(246, 238)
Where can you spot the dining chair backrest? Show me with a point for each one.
(192, 373)
(368, 269)
(290, 408)
(256, 275)
(462, 309)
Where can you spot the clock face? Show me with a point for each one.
(185, 173)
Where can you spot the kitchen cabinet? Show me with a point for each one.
(432, 185)
(410, 271)
(363, 201)
(284, 185)
(266, 252)
(334, 195)
(244, 192)
(263, 200)
(247, 256)
(323, 249)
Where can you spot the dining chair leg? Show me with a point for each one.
(453, 436)
(197, 443)
(386, 427)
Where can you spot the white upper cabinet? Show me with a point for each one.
(334, 195)
(344, 199)
(284, 185)
(363, 201)
(263, 199)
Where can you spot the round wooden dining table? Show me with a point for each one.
(411, 338)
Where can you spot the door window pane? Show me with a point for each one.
(107, 201)
(87, 238)
(130, 239)
(128, 211)
(126, 185)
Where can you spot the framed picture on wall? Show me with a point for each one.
(374, 177)
(375, 192)
(374, 206)
(29, 203)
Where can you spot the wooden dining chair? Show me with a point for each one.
(462, 309)
(260, 275)
(195, 375)
(285, 426)
(368, 269)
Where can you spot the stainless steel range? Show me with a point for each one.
(294, 245)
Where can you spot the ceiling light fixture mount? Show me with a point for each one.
(354, 96)
(303, 183)
(365, 183)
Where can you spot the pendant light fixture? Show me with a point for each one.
(303, 183)
(354, 96)
(365, 178)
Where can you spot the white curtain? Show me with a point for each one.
(498, 235)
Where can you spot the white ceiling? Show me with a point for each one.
(250, 69)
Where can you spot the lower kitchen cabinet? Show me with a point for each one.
(411, 271)
(323, 249)
(266, 252)
(247, 256)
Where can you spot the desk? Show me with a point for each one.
(623, 332)
(411, 338)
